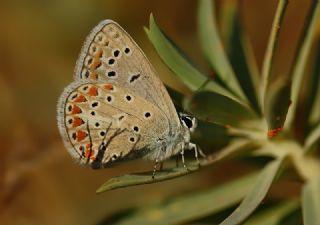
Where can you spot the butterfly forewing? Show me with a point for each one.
(102, 123)
(110, 54)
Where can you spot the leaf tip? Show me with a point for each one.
(274, 132)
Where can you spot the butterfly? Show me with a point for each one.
(117, 108)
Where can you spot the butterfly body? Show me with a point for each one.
(117, 108)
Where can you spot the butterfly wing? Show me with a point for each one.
(111, 55)
(101, 123)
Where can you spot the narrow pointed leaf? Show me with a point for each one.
(178, 63)
(213, 49)
(312, 139)
(243, 62)
(315, 112)
(236, 147)
(271, 47)
(313, 106)
(192, 206)
(219, 109)
(277, 104)
(301, 56)
(274, 215)
(311, 202)
(255, 196)
(145, 178)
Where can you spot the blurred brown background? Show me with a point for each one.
(39, 44)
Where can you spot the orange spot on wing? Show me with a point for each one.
(274, 132)
(76, 110)
(99, 53)
(108, 87)
(93, 75)
(95, 64)
(93, 91)
(89, 152)
(77, 122)
(80, 98)
(81, 135)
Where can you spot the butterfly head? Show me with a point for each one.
(188, 121)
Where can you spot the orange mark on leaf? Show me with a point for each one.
(77, 122)
(108, 87)
(81, 135)
(274, 132)
(76, 110)
(80, 98)
(93, 91)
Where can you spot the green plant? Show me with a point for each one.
(258, 114)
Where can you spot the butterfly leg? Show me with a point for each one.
(197, 151)
(182, 159)
(155, 168)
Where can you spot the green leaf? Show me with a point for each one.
(243, 64)
(315, 112)
(236, 147)
(178, 63)
(277, 104)
(313, 101)
(213, 49)
(274, 215)
(146, 178)
(301, 57)
(271, 48)
(312, 139)
(184, 208)
(256, 195)
(219, 109)
(311, 202)
(210, 135)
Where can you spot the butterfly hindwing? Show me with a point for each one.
(102, 123)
